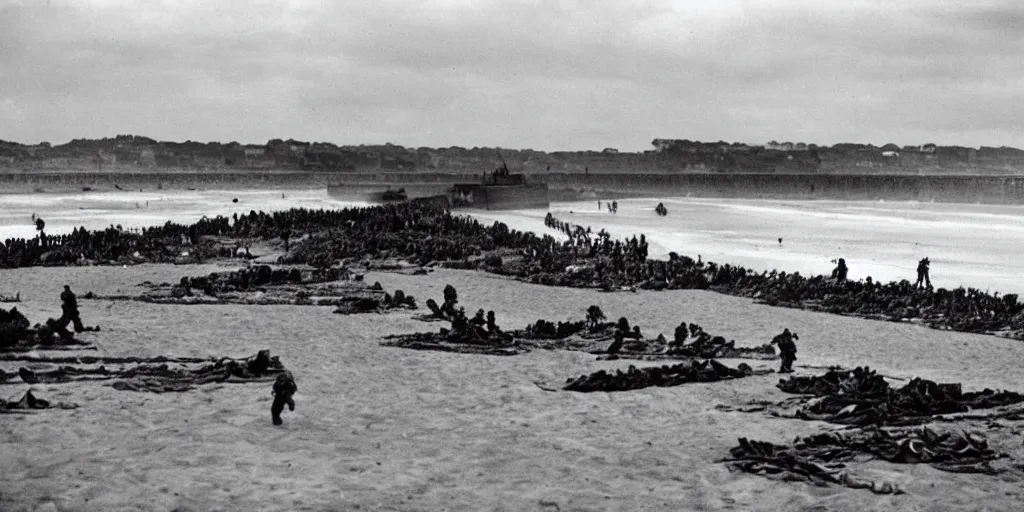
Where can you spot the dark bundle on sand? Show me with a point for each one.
(595, 336)
(14, 327)
(704, 345)
(441, 342)
(478, 335)
(29, 402)
(377, 304)
(862, 397)
(155, 375)
(243, 279)
(663, 376)
(17, 336)
(447, 311)
(819, 459)
(265, 286)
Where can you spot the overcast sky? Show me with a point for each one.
(541, 74)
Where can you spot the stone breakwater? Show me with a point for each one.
(890, 187)
(939, 188)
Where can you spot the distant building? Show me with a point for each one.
(780, 146)
(147, 157)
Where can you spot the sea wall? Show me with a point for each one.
(940, 188)
(971, 189)
(103, 181)
(565, 186)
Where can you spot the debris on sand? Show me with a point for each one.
(17, 336)
(29, 402)
(443, 342)
(863, 397)
(595, 336)
(156, 375)
(819, 459)
(478, 335)
(265, 286)
(662, 376)
(376, 304)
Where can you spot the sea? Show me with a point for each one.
(969, 245)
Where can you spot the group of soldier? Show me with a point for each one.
(923, 270)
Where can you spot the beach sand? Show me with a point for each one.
(379, 428)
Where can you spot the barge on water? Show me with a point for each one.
(499, 191)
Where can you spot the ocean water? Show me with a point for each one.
(98, 210)
(969, 245)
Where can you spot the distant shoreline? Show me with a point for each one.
(942, 188)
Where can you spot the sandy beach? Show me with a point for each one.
(380, 428)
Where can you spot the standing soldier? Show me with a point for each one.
(69, 307)
(787, 350)
(840, 272)
(284, 388)
(922, 274)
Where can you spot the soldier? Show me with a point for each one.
(69, 307)
(479, 318)
(681, 334)
(616, 345)
(922, 274)
(492, 324)
(284, 388)
(787, 350)
(839, 273)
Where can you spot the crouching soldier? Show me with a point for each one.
(284, 388)
(787, 350)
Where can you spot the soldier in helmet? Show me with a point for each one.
(922, 274)
(787, 350)
(841, 270)
(69, 308)
(284, 388)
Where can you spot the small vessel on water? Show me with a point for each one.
(390, 196)
(501, 190)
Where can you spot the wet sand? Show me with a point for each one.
(380, 428)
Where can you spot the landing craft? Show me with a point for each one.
(502, 190)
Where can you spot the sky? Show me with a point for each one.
(546, 74)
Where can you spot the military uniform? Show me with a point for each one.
(69, 308)
(787, 350)
(284, 388)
